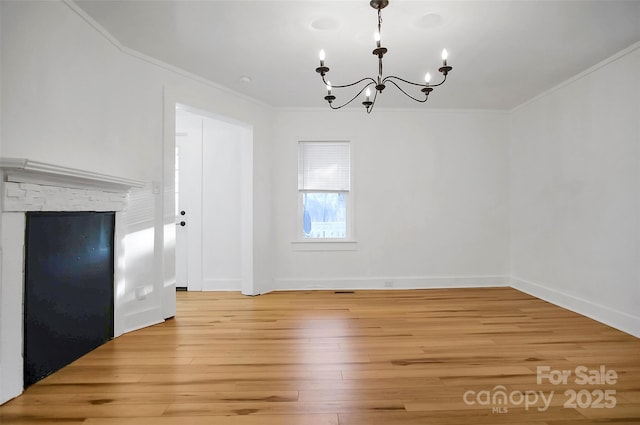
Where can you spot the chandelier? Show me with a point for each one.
(380, 83)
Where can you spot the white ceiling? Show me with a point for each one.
(502, 52)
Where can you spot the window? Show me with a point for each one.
(324, 183)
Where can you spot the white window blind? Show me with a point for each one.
(324, 166)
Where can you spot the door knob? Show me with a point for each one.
(182, 223)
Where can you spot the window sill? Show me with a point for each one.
(324, 245)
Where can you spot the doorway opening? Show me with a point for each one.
(213, 202)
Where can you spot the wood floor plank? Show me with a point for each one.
(310, 419)
(281, 408)
(438, 356)
(157, 397)
(56, 412)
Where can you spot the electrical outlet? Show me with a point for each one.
(388, 283)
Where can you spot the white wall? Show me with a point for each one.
(575, 194)
(73, 98)
(430, 192)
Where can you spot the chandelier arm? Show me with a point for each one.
(390, 77)
(440, 83)
(356, 95)
(407, 94)
(349, 85)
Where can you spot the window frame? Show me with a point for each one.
(326, 244)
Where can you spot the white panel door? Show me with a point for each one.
(189, 201)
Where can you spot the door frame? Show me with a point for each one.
(197, 104)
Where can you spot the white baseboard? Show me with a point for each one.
(221, 284)
(617, 319)
(422, 282)
(142, 319)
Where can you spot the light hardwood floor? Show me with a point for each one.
(363, 358)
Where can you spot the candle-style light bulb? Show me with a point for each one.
(445, 55)
(427, 78)
(322, 56)
(329, 87)
(368, 93)
(376, 37)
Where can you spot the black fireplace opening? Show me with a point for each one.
(69, 282)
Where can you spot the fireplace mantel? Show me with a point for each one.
(22, 170)
(28, 185)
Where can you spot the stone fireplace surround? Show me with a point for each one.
(37, 186)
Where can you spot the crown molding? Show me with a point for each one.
(157, 62)
(624, 52)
